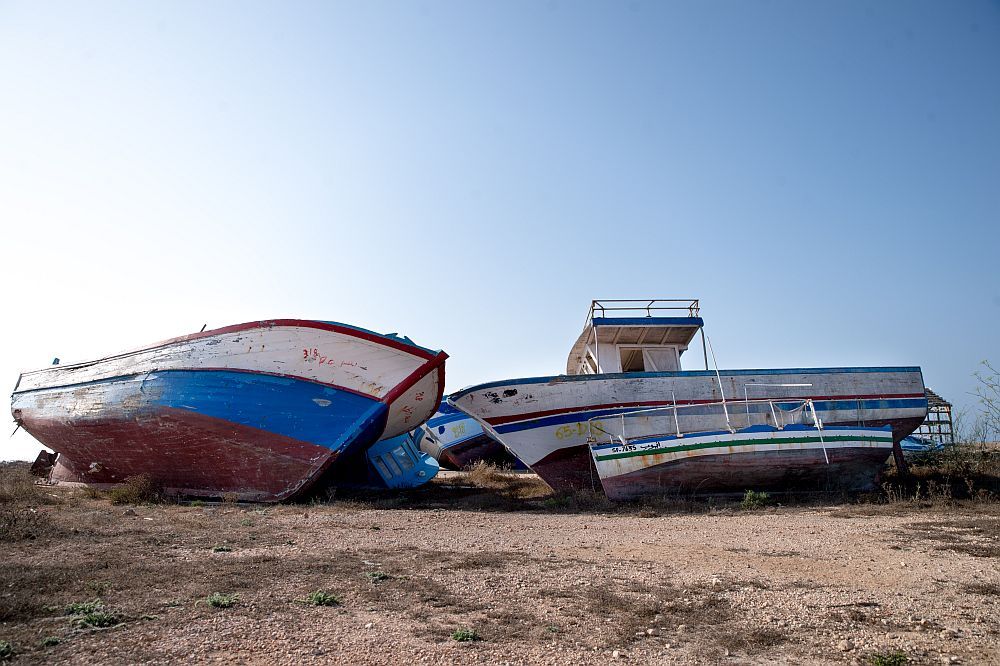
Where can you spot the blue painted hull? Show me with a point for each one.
(202, 432)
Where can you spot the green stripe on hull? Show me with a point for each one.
(747, 442)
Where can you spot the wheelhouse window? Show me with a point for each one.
(649, 359)
(632, 360)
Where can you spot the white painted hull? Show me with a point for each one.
(758, 458)
(312, 351)
(544, 421)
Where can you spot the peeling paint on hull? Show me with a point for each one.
(468, 453)
(191, 454)
(849, 469)
(246, 411)
(545, 421)
(572, 468)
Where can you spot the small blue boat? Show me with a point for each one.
(400, 464)
(914, 445)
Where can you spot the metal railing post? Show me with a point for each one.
(677, 423)
(819, 428)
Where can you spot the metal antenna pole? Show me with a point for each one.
(722, 391)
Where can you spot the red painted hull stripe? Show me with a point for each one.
(416, 376)
(500, 420)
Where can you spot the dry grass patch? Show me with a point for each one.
(17, 485)
(975, 536)
(19, 523)
(985, 589)
(140, 489)
(750, 641)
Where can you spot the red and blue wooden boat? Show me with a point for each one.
(258, 411)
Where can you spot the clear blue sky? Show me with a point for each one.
(825, 176)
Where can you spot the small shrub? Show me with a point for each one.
(246, 522)
(84, 607)
(220, 600)
(17, 485)
(197, 503)
(93, 614)
(221, 549)
(50, 641)
(376, 577)
(753, 500)
(465, 635)
(23, 523)
(99, 619)
(893, 658)
(579, 501)
(322, 598)
(482, 474)
(140, 489)
(6, 650)
(93, 493)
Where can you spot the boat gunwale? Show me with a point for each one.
(332, 327)
(559, 379)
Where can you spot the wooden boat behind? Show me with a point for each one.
(628, 358)
(785, 447)
(257, 411)
(457, 441)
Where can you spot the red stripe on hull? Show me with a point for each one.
(436, 362)
(187, 453)
(501, 420)
(572, 468)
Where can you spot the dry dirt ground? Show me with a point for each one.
(537, 579)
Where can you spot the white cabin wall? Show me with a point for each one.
(608, 356)
(611, 360)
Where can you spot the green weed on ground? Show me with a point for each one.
(893, 658)
(100, 619)
(84, 607)
(322, 598)
(753, 500)
(465, 635)
(220, 600)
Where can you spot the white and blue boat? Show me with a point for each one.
(783, 447)
(628, 358)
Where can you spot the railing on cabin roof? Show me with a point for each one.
(642, 307)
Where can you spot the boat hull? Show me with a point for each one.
(760, 459)
(458, 442)
(546, 422)
(217, 419)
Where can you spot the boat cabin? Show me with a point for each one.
(636, 336)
